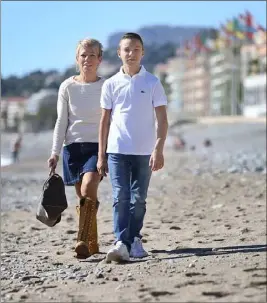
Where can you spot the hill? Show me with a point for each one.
(160, 34)
(161, 42)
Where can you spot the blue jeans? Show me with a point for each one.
(130, 176)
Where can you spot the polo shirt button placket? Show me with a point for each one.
(132, 85)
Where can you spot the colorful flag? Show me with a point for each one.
(261, 28)
(250, 27)
(230, 27)
(187, 48)
(219, 42)
(203, 39)
(242, 22)
(222, 41)
(238, 29)
(259, 37)
(226, 30)
(210, 44)
(197, 43)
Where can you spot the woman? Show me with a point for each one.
(78, 110)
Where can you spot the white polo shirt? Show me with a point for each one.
(132, 100)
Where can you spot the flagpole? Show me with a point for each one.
(232, 84)
(233, 90)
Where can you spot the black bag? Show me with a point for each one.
(53, 201)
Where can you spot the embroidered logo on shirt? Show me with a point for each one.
(142, 92)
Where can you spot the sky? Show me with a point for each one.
(42, 35)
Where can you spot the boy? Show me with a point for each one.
(129, 100)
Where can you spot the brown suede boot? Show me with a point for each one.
(87, 242)
(81, 247)
(93, 235)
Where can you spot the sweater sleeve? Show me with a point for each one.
(62, 120)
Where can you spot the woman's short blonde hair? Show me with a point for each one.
(89, 43)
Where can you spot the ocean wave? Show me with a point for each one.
(5, 161)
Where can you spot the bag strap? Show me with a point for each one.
(54, 174)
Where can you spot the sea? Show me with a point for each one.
(5, 161)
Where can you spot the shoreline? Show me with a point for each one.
(5, 161)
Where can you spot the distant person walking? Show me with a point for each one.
(78, 116)
(130, 101)
(16, 148)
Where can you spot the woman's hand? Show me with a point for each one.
(52, 162)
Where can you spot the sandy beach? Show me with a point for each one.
(205, 227)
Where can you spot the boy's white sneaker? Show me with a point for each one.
(137, 249)
(118, 253)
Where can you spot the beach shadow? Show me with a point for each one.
(206, 251)
(98, 260)
(132, 261)
(188, 252)
(90, 260)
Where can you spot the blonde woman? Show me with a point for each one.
(78, 116)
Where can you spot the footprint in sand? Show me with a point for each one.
(195, 283)
(257, 284)
(158, 293)
(217, 294)
(192, 274)
(175, 227)
(71, 232)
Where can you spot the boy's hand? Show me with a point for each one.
(156, 161)
(102, 166)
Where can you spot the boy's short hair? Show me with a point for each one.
(132, 36)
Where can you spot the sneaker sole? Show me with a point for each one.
(138, 257)
(112, 256)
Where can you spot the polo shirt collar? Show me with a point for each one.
(140, 73)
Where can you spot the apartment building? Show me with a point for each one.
(225, 83)
(255, 51)
(253, 58)
(248, 53)
(195, 83)
(160, 70)
(174, 72)
(12, 111)
(254, 103)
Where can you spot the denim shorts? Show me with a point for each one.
(78, 159)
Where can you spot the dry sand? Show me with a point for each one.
(205, 234)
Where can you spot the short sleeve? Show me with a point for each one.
(106, 96)
(159, 97)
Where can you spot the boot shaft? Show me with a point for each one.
(87, 233)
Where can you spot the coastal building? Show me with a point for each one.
(41, 110)
(195, 83)
(254, 103)
(225, 83)
(160, 71)
(12, 112)
(174, 73)
(106, 69)
(253, 67)
(253, 59)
